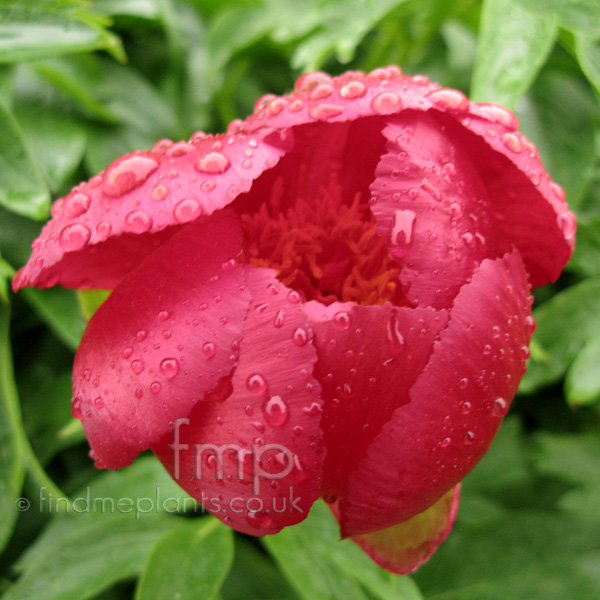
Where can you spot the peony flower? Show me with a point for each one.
(332, 299)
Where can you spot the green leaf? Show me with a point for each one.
(6, 275)
(574, 14)
(582, 385)
(558, 105)
(586, 258)
(22, 187)
(30, 29)
(87, 555)
(186, 565)
(588, 54)
(59, 308)
(90, 301)
(320, 566)
(513, 44)
(564, 324)
(57, 140)
(11, 434)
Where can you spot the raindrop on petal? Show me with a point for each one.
(74, 237)
(169, 367)
(275, 411)
(256, 384)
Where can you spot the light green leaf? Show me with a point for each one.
(574, 14)
(86, 555)
(586, 258)
(564, 324)
(558, 116)
(588, 54)
(6, 274)
(22, 187)
(59, 308)
(30, 29)
(186, 565)
(11, 433)
(582, 385)
(320, 566)
(90, 301)
(513, 44)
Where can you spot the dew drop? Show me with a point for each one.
(98, 403)
(342, 320)
(76, 205)
(163, 315)
(294, 297)
(526, 352)
(394, 336)
(126, 174)
(279, 319)
(137, 366)
(74, 237)
(465, 408)
(137, 221)
(256, 384)
(323, 90)
(155, 387)
(139, 392)
(322, 112)
(567, 224)
(259, 520)
(275, 411)
(386, 103)
(463, 383)
(451, 100)
(160, 192)
(103, 230)
(141, 335)
(512, 142)
(530, 324)
(76, 407)
(496, 331)
(487, 349)
(500, 407)
(313, 410)
(209, 349)
(300, 337)
(445, 442)
(353, 89)
(469, 438)
(213, 162)
(187, 210)
(308, 81)
(127, 352)
(169, 367)
(401, 234)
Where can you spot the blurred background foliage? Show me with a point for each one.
(82, 83)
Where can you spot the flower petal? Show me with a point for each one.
(432, 209)
(104, 228)
(162, 341)
(456, 405)
(404, 547)
(362, 350)
(274, 401)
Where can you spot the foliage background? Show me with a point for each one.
(82, 83)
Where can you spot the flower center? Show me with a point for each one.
(326, 249)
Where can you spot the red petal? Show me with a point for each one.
(369, 358)
(456, 404)
(274, 400)
(162, 340)
(104, 228)
(403, 548)
(432, 209)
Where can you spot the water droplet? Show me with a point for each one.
(209, 349)
(300, 337)
(259, 520)
(487, 349)
(294, 297)
(139, 392)
(76, 205)
(530, 324)
(323, 90)
(137, 221)
(169, 367)
(465, 408)
(500, 407)
(160, 192)
(496, 331)
(272, 289)
(456, 210)
(353, 89)
(76, 407)
(394, 335)
(163, 315)
(386, 103)
(567, 224)
(74, 237)
(256, 384)
(137, 366)
(469, 438)
(213, 162)
(103, 230)
(469, 239)
(141, 335)
(526, 352)
(451, 100)
(499, 114)
(401, 234)
(187, 210)
(313, 410)
(155, 387)
(342, 320)
(98, 403)
(512, 142)
(279, 319)
(322, 112)
(445, 442)
(122, 176)
(275, 411)
(308, 81)
(463, 383)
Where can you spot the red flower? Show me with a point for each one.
(338, 288)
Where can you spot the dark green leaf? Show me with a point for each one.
(31, 29)
(320, 566)
(586, 258)
(588, 54)
(513, 44)
(11, 433)
(59, 308)
(564, 324)
(22, 187)
(88, 556)
(186, 565)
